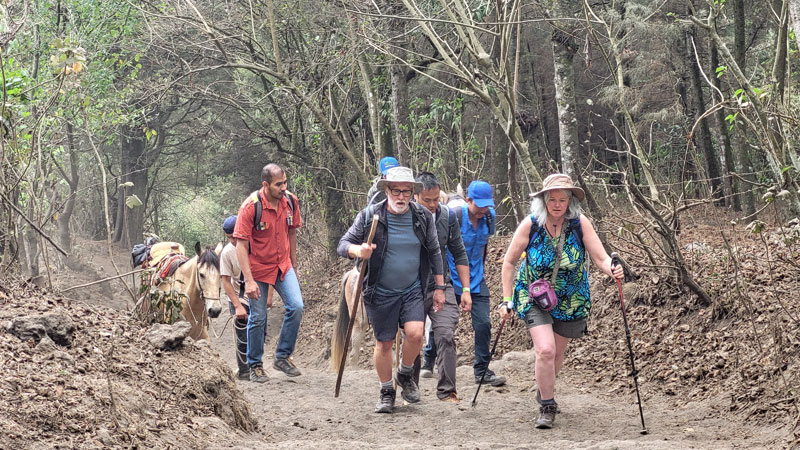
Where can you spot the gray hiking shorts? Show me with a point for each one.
(385, 313)
(573, 329)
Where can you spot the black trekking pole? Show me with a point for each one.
(496, 339)
(614, 262)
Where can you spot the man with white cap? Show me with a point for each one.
(404, 252)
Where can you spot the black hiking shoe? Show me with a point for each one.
(539, 401)
(243, 374)
(286, 366)
(386, 401)
(547, 415)
(491, 379)
(410, 391)
(258, 375)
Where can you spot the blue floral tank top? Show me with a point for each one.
(572, 282)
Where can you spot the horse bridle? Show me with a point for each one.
(202, 295)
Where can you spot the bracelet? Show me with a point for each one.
(358, 252)
(441, 287)
(506, 299)
(466, 289)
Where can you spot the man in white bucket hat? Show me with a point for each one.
(404, 251)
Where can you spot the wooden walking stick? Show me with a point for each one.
(355, 308)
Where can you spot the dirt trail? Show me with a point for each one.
(301, 412)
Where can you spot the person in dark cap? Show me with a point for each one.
(232, 285)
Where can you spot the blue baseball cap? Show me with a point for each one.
(229, 225)
(481, 193)
(387, 162)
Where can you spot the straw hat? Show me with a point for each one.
(399, 174)
(559, 181)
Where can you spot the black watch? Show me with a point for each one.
(441, 287)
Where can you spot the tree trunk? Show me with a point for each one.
(781, 48)
(725, 137)
(564, 79)
(706, 145)
(741, 156)
(72, 181)
(794, 15)
(373, 106)
(133, 169)
(399, 81)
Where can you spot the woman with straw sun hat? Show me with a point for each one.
(551, 289)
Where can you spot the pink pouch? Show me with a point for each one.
(543, 295)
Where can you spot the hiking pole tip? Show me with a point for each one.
(644, 431)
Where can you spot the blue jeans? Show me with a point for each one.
(481, 325)
(289, 290)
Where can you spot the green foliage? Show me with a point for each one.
(162, 306)
(188, 217)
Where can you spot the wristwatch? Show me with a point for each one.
(441, 287)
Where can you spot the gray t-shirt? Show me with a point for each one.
(229, 265)
(401, 265)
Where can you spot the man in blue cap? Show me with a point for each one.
(232, 285)
(477, 219)
(376, 195)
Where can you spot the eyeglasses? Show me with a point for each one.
(403, 192)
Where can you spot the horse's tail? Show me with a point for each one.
(341, 324)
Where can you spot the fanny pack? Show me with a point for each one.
(542, 292)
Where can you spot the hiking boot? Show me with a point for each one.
(258, 375)
(410, 391)
(451, 398)
(386, 401)
(426, 371)
(539, 401)
(547, 415)
(491, 379)
(286, 366)
(243, 374)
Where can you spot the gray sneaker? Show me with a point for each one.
(386, 401)
(491, 379)
(286, 366)
(410, 389)
(547, 415)
(258, 375)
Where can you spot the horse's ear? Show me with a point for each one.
(197, 248)
(218, 249)
(460, 190)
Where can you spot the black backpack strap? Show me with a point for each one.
(258, 206)
(241, 284)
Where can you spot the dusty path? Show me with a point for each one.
(302, 413)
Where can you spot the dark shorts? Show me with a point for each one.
(386, 313)
(573, 329)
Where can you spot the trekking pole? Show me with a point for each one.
(355, 308)
(496, 339)
(615, 261)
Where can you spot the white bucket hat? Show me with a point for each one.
(400, 174)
